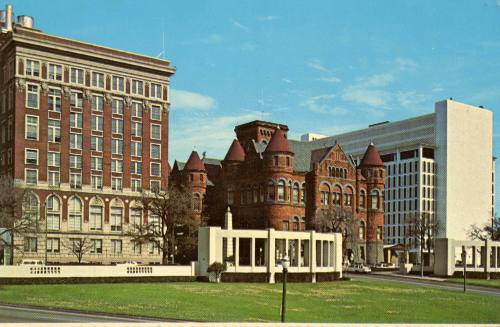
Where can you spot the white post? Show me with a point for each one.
(237, 254)
(271, 255)
(252, 253)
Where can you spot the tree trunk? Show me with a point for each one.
(421, 259)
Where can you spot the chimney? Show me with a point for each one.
(8, 18)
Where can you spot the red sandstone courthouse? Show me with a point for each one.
(269, 181)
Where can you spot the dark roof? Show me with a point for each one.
(302, 154)
(235, 152)
(371, 157)
(213, 167)
(278, 142)
(194, 163)
(317, 155)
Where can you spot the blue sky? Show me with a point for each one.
(318, 66)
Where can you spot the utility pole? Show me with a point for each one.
(464, 262)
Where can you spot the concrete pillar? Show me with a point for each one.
(237, 254)
(312, 251)
(487, 252)
(271, 255)
(252, 253)
(299, 258)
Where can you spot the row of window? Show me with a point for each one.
(274, 191)
(402, 193)
(298, 223)
(77, 76)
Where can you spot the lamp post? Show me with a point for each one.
(285, 264)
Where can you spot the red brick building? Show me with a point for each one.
(86, 128)
(272, 182)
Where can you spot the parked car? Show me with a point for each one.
(31, 262)
(358, 268)
(127, 263)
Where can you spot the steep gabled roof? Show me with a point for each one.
(371, 157)
(194, 163)
(278, 142)
(235, 152)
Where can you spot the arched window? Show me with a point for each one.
(116, 215)
(249, 194)
(135, 214)
(375, 199)
(362, 230)
(75, 214)
(337, 196)
(96, 213)
(230, 195)
(53, 212)
(324, 191)
(243, 198)
(270, 191)
(30, 207)
(296, 223)
(255, 194)
(362, 199)
(348, 197)
(196, 202)
(380, 232)
(303, 198)
(281, 190)
(303, 223)
(295, 192)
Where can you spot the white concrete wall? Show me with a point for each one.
(464, 140)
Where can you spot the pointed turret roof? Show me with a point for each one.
(278, 142)
(194, 162)
(236, 152)
(371, 157)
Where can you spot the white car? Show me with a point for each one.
(127, 263)
(31, 262)
(358, 268)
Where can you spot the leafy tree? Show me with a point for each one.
(78, 247)
(171, 226)
(16, 218)
(422, 227)
(217, 268)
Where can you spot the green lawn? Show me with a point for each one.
(346, 301)
(479, 282)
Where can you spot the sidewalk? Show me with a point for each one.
(408, 276)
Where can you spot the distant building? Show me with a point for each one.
(86, 128)
(311, 137)
(269, 181)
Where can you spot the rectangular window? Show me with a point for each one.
(117, 106)
(98, 80)
(32, 68)
(136, 149)
(96, 143)
(96, 247)
(154, 186)
(137, 87)
(54, 131)
(31, 176)
(54, 100)
(116, 183)
(136, 247)
(116, 219)
(155, 112)
(75, 161)
(156, 91)
(155, 169)
(31, 156)
(55, 72)
(137, 109)
(76, 99)
(116, 146)
(77, 76)
(117, 126)
(155, 151)
(53, 245)
(118, 84)
(96, 182)
(96, 163)
(97, 102)
(75, 180)
(54, 178)
(116, 166)
(75, 120)
(155, 132)
(136, 167)
(31, 127)
(136, 185)
(32, 96)
(53, 159)
(30, 244)
(97, 123)
(95, 217)
(116, 246)
(136, 129)
(75, 141)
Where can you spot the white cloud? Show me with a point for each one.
(286, 80)
(182, 99)
(240, 25)
(332, 79)
(212, 39)
(377, 80)
(321, 104)
(317, 65)
(268, 18)
(406, 64)
(365, 96)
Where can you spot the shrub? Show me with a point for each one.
(217, 269)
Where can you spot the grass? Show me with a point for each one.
(347, 301)
(478, 282)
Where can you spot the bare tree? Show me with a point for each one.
(171, 221)
(16, 215)
(485, 232)
(422, 227)
(340, 220)
(78, 247)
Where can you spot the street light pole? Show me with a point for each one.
(285, 263)
(464, 262)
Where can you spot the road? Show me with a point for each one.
(15, 314)
(426, 282)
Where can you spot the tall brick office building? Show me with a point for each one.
(269, 181)
(86, 128)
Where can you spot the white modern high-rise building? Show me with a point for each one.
(440, 163)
